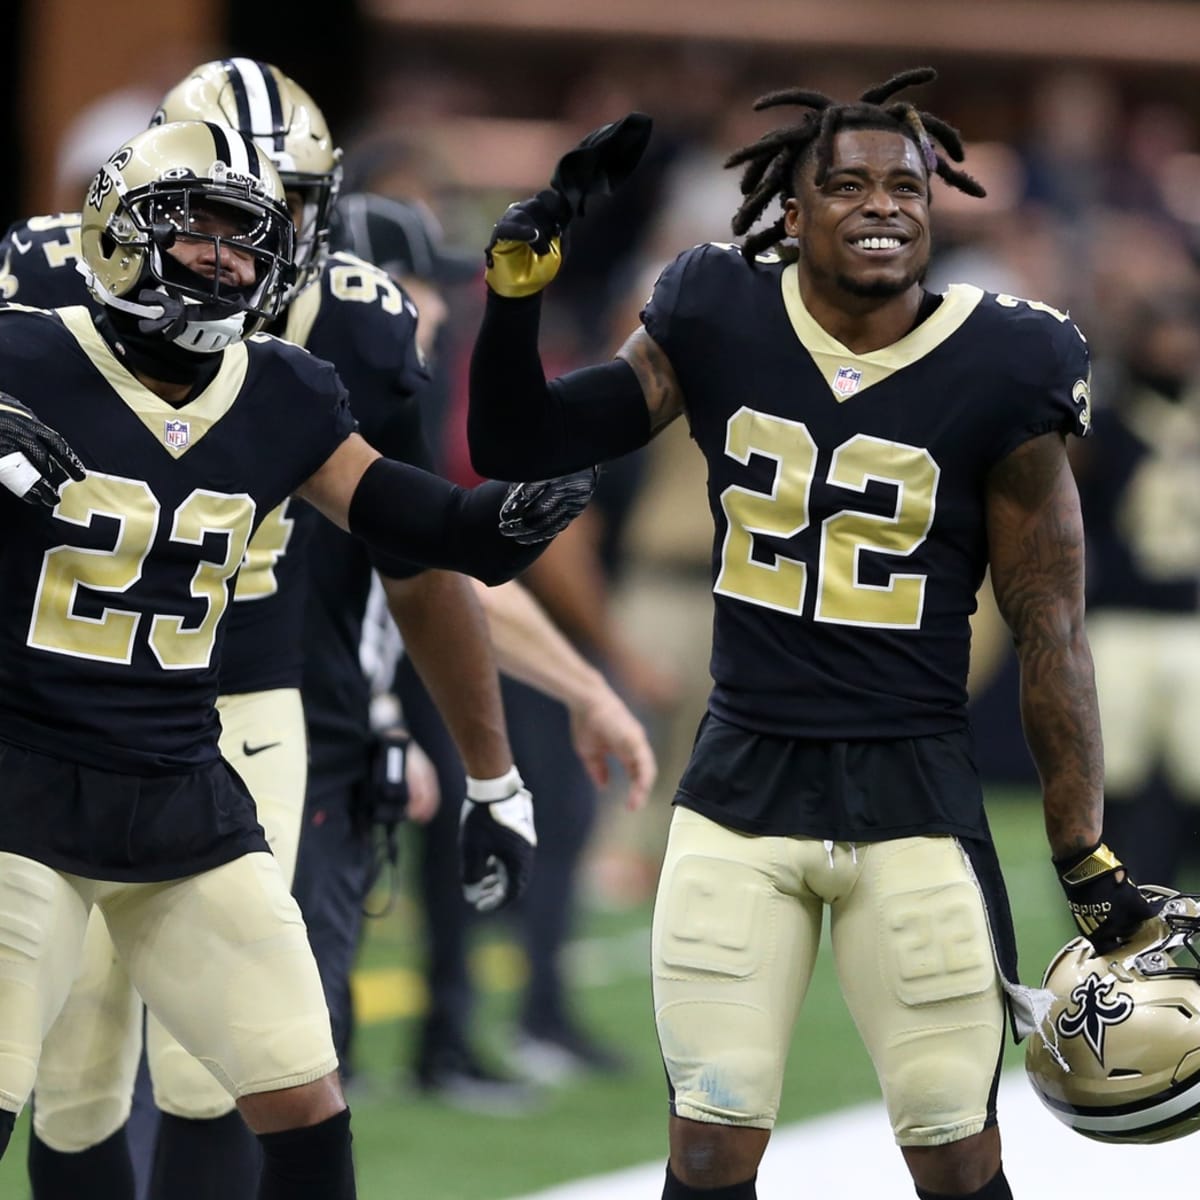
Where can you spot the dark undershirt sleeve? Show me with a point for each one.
(521, 427)
(421, 518)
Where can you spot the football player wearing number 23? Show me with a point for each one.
(293, 700)
(872, 448)
(190, 428)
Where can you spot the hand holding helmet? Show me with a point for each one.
(1107, 906)
(1118, 1058)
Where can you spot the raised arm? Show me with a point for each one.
(1035, 539)
(413, 515)
(520, 426)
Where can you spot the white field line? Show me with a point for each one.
(849, 1155)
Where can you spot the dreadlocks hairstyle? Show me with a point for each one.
(771, 162)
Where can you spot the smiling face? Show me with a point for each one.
(864, 231)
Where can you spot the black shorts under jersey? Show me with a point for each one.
(849, 791)
(132, 828)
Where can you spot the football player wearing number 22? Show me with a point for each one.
(872, 448)
(188, 427)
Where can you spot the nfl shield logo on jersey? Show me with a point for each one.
(846, 381)
(176, 434)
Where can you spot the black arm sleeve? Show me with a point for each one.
(422, 518)
(520, 427)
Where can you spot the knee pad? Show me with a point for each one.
(71, 1126)
(7, 1121)
(183, 1086)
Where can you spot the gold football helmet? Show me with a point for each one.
(198, 182)
(1120, 1061)
(280, 116)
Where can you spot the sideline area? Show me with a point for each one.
(846, 1155)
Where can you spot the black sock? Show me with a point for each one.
(217, 1159)
(996, 1188)
(675, 1189)
(7, 1121)
(309, 1164)
(101, 1172)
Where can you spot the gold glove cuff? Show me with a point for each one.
(516, 271)
(1099, 862)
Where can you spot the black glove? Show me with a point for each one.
(34, 460)
(1107, 906)
(496, 840)
(537, 511)
(525, 250)
(601, 162)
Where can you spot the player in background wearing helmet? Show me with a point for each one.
(114, 793)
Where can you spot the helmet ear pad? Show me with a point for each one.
(1118, 1059)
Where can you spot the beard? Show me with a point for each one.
(867, 289)
(881, 289)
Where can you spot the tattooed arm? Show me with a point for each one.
(521, 427)
(1035, 540)
(664, 398)
(1035, 537)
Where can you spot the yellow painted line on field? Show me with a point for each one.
(392, 993)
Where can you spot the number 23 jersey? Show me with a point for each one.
(111, 606)
(848, 490)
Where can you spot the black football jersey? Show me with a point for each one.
(1140, 489)
(359, 319)
(364, 323)
(847, 490)
(111, 606)
(39, 260)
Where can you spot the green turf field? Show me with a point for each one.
(408, 1146)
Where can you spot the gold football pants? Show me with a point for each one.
(89, 1060)
(737, 925)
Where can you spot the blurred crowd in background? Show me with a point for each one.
(1093, 206)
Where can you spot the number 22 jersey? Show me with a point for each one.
(848, 490)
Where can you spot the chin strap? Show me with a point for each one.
(202, 328)
(191, 325)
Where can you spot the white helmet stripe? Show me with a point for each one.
(1141, 1118)
(258, 97)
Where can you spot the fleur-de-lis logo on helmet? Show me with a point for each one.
(1095, 1013)
(103, 181)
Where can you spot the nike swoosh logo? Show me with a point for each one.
(21, 246)
(250, 751)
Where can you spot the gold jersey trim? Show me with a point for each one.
(197, 417)
(858, 372)
(302, 315)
